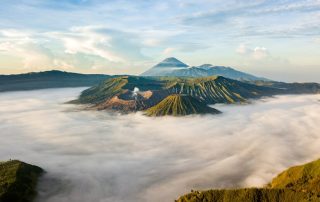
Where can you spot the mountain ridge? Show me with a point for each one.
(134, 93)
(171, 62)
(299, 183)
(197, 71)
(180, 105)
(18, 181)
(48, 79)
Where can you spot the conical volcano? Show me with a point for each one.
(166, 66)
(171, 62)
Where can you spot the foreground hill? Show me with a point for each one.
(180, 105)
(48, 79)
(133, 93)
(175, 68)
(299, 183)
(18, 181)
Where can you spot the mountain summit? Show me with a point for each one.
(165, 67)
(171, 62)
(174, 67)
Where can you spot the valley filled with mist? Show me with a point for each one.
(104, 156)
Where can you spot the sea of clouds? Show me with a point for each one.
(102, 157)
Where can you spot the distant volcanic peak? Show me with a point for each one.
(171, 62)
(204, 66)
(210, 66)
(222, 67)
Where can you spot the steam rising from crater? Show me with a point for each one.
(97, 156)
(135, 92)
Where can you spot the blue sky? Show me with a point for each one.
(278, 39)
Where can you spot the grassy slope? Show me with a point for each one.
(247, 195)
(116, 86)
(209, 89)
(217, 89)
(299, 183)
(18, 181)
(179, 105)
(300, 178)
(104, 90)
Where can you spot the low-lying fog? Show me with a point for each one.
(97, 156)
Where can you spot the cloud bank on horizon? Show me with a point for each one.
(97, 156)
(265, 37)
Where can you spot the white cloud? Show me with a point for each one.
(86, 40)
(305, 5)
(21, 46)
(99, 156)
(89, 47)
(168, 51)
(256, 53)
(260, 53)
(152, 42)
(242, 49)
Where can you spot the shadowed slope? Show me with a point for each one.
(180, 105)
(18, 181)
(48, 79)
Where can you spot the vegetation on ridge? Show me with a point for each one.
(18, 181)
(296, 184)
(118, 93)
(180, 105)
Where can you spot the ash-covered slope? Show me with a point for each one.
(299, 183)
(180, 105)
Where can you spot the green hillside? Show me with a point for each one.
(209, 89)
(180, 105)
(217, 89)
(117, 86)
(296, 184)
(300, 178)
(117, 93)
(18, 181)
